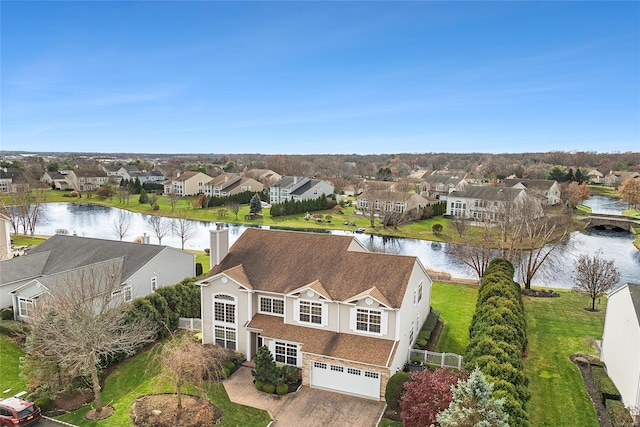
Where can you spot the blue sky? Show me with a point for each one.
(320, 77)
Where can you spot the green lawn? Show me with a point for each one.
(130, 381)
(456, 304)
(557, 328)
(10, 354)
(134, 379)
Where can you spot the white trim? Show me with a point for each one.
(324, 315)
(353, 323)
(26, 301)
(272, 313)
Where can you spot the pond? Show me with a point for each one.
(90, 220)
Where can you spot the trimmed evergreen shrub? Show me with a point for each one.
(226, 372)
(229, 365)
(6, 313)
(618, 414)
(259, 385)
(269, 388)
(606, 387)
(395, 388)
(282, 389)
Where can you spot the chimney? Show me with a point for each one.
(145, 239)
(218, 244)
(295, 179)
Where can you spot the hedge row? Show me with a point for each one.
(618, 414)
(606, 388)
(427, 330)
(296, 207)
(498, 337)
(240, 198)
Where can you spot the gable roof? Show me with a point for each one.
(283, 261)
(306, 186)
(488, 193)
(61, 253)
(543, 184)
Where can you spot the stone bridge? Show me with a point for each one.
(612, 221)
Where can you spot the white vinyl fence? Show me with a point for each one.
(450, 360)
(190, 323)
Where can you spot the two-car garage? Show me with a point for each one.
(345, 379)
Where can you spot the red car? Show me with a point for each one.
(17, 412)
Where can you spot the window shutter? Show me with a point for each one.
(384, 321)
(296, 310)
(352, 319)
(325, 314)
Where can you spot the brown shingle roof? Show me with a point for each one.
(283, 261)
(376, 351)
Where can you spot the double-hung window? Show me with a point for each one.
(24, 306)
(154, 284)
(311, 312)
(272, 305)
(368, 320)
(286, 353)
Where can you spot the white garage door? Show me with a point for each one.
(347, 380)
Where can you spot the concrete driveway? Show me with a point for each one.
(308, 407)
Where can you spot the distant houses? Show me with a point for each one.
(293, 188)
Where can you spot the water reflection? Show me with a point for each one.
(98, 221)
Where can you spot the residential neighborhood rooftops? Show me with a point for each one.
(489, 193)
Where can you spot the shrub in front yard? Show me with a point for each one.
(282, 389)
(259, 385)
(6, 313)
(269, 388)
(606, 387)
(395, 388)
(618, 414)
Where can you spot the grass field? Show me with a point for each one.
(10, 378)
(557, 328)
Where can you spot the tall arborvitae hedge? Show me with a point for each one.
(301, 206)
(498, 338)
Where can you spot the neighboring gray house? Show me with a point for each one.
(481, 202)
(226, 185)
(119, 172)
(621, 344)
(548, 189)
(439, 186)
(142, 268)
(156, 177)
(295, 188)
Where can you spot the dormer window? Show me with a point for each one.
(310, 312)
(368, 320)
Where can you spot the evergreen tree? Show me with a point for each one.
(266, 370)
(255, 205)
(579, 176)
(143, 196)
(569, 177)
(137, 186)
(472, 405)
(557, 174)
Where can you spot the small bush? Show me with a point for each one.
(226, 372)
(229, 365)
(259, 385)
(618, 414)
(291, 375)
(44, 403)
(395, 388)
(6, 313)
(282, 389)
(269, 388)
(606, 387)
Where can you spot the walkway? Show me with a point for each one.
(311, 407)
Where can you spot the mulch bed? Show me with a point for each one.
(435, 335)
(161, 410)
(589, 384)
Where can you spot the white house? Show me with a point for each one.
(481, 202)
(321, 302)
(621, 343)
(293, 188)
(142, 268)
(187, 184)
(548, 190)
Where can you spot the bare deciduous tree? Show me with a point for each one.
(183, 360)
(122, 224)
(83, 322)
(595, 276)
(183, 228)
(159, 226)
(24, 208)
(478, 255)
(234, 207)
(173, 200)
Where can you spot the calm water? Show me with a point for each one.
(98, 221)
(605, 205)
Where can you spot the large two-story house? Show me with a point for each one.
(226, 185)
(439, 186)
(187, 184)
(294, 188)
(481, 203)
(546, 189)
(321, 302)
(140, 268)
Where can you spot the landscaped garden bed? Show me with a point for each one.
(161, 410)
